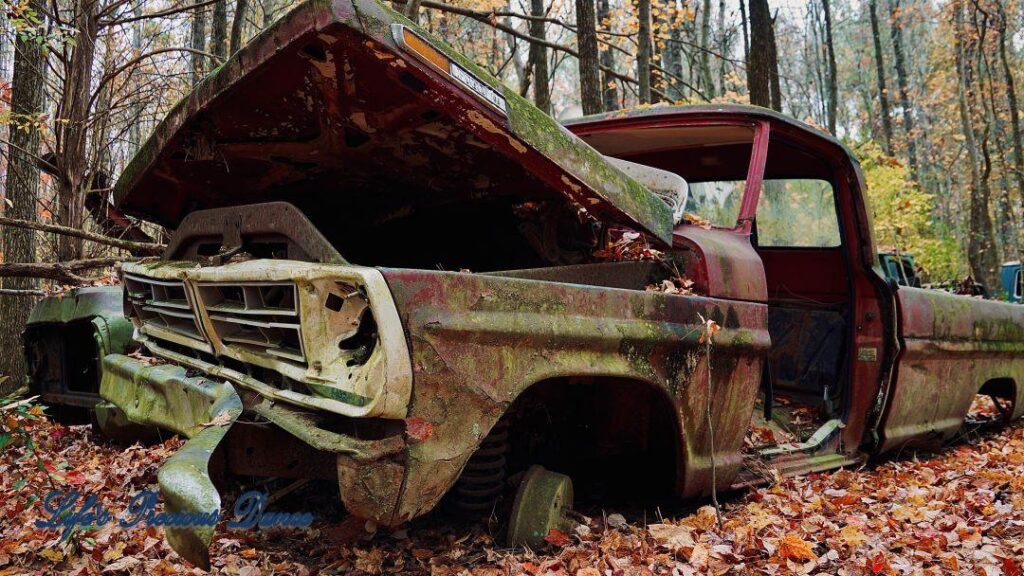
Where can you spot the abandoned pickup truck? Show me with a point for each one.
(391, 271)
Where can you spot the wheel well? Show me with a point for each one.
(1004, 389)
(617, 438)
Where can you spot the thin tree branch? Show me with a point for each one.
(136, 248)
(160, 14)
(65, 272)
(15, 292)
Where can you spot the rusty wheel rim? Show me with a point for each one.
(540, 505)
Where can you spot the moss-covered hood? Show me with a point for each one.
(331, 110)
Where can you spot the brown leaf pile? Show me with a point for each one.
(625, 246)
(959, 512)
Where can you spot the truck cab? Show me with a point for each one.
(777, 214)
(877, 365)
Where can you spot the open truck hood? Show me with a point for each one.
(347, 109)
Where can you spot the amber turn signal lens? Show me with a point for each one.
(424, 50)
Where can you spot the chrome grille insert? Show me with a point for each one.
(257, 316)
(163, 305)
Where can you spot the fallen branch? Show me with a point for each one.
(64, 272)
(15, 292)
(135, 248)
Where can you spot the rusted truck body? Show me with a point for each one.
(390, 270)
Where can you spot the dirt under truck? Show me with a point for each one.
(389, 270)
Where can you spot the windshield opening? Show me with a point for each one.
(712, 159)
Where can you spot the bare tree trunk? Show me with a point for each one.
(609, 94)
(883, 92)
(643, 52)
(705, 44)
(1006, 219)
(746, 34)
(269, 11)
(674, 90)
(74, 129)
(758, 65)
(412, 10)
(896, 31)
(590, 66)
(980, 252)
(520, 66)
(833, 81)
(539, 58)
(198, 42)
(723, 46)
(219, 38)
(237, 23)
(21, 189)
(816, 54)
(1015, 131)
(137, 127)
(773, 64)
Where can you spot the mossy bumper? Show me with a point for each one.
(370, 471)
(198, 408)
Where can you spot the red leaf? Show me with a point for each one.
(557, 538)
(418, 428)
(879, 564)
(1010, 567)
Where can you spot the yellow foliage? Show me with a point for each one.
(903, 216)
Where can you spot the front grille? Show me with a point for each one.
(163, 305)
(297, 332)
(255, 316)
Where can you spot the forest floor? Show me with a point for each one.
(960, 511)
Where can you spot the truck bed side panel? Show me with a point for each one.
(951, 346)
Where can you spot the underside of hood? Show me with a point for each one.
(353, 114)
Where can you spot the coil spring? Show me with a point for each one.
(483, 479)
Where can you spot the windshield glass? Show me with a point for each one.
(795, 212)
(716, 202)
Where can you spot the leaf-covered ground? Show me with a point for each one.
(958, 512)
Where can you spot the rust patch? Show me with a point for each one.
(480, 120)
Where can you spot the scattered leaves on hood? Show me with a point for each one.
(625, 246)
(677, 285)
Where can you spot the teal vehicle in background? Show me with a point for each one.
(900, 268)
(1012, 279)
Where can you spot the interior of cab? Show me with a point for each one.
(798, 236)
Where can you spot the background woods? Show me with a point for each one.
(926, 93)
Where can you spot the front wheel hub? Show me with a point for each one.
(542, 503)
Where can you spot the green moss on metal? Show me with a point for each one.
(338, 394)
(550, 138)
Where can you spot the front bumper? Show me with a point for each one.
(370, 471)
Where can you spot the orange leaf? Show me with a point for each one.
(531, 567)
(557, 538)
(792, 547)
(418, 428)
